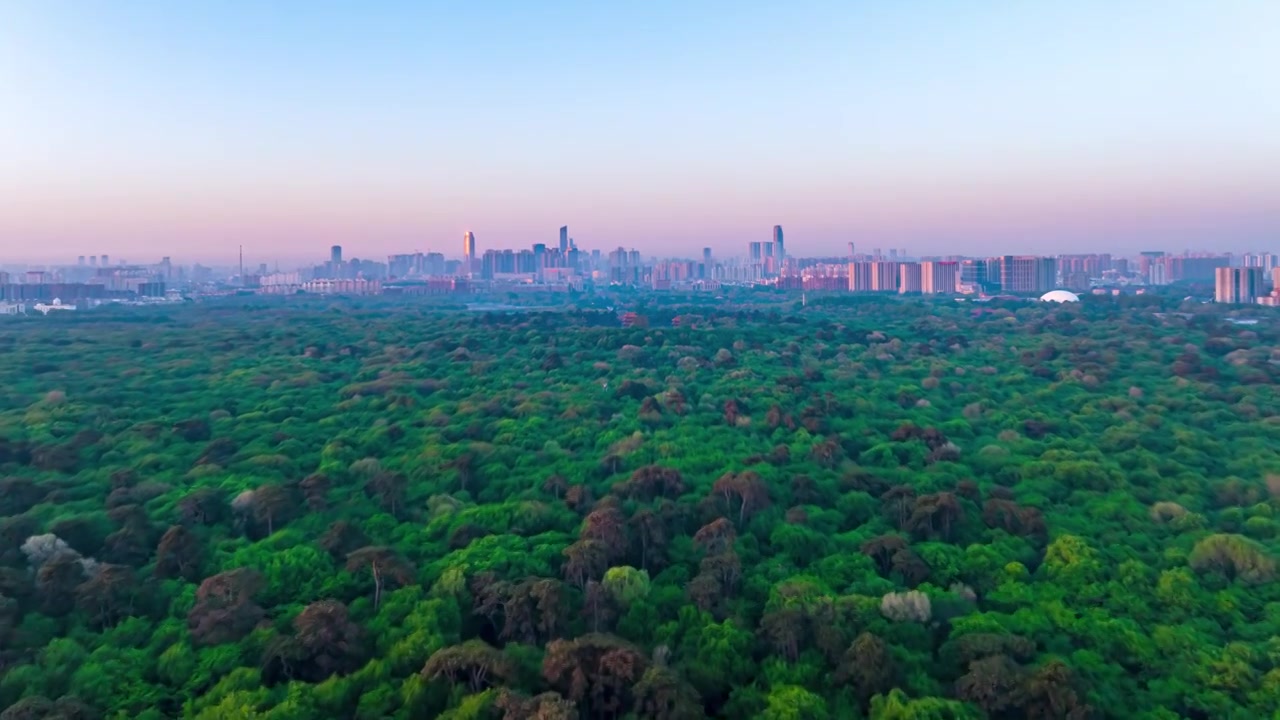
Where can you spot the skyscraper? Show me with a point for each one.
(859, 276)
(468, 252)
(910, 278)
(1028, 274)
(1238, 285)
(564, 239)
(780, 250)
(756, 251)
(885, 276)
(939, 278)
(974, 272)
(335, 256)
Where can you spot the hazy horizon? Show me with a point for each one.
(139, 129)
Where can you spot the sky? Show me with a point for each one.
(141, 128)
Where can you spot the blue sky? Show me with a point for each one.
(149, 128)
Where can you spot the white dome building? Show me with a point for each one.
(1060, 296)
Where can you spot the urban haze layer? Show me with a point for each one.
(561, 265)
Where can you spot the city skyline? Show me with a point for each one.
(144, 129)
(448, 250)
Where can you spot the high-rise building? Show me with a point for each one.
(1091, 265)
(939, 278)
(859, 277)
(106, 261)
(756, 251)
(974, 273)
(885, 276)
(564, 239)
(335, 256)
(1266, 261)
(93, 261)
(1238, 285)
(405, 264)
(995, 277)
(468, 252)
(1028, 274)
(80, 260)
(1197, 268)
(910, 278)
(781, 250)
(1158, 273)
(539, 257)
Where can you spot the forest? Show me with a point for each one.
(875, 508)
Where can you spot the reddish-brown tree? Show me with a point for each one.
(578, 497)
(547, 706)
(556, 485)
(881, 549)
(716, 536)
(585, 560)
(224, 610)
(56, 582)
(315, 490)
(325, 643)
(202, 507)
(388, 489)
(867, 667)
(272, 504)
(898, 503)
(935, 515)
(993, 684)
(595, 670)
(179, 554)
(385, 566)
(662, 694)
(785, 630)
(607, 526)
(475, 662)
(108, 595)
(651, 481)
(1050, 694)
(731, 412)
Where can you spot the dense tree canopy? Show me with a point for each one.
(855, 508)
